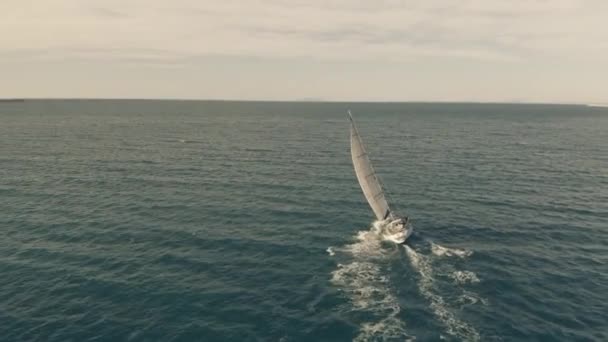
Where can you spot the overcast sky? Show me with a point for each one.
(432, 50)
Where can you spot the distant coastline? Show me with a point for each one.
(312, 100)
(308, 100)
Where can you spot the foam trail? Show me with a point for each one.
(470, 298)
(463, 277)
(365, 283)
(439, 250)
(454, 326)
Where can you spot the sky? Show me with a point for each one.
(335, 50)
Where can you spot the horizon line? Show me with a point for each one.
(7, 99)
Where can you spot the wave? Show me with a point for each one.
(439, 250)
(464, 277)
(470, 298)
(440, 308)
(364, 281)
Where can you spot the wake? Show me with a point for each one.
(441, 309)
(365, 283)
(444, 251)
(364, 280)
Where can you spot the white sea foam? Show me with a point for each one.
(388, 329)
(440, 308)
(470, 298)
(439, 250)
(367, 246)
(330, 251)
(367, 287)
(378, 225)
(464, 277)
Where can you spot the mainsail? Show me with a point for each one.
(366, 175)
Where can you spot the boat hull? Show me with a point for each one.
(397, 230)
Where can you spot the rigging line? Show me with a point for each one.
(388, 196)
(390, 200)
(376, 196)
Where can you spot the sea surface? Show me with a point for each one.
(243, 221)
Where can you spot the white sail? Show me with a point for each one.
(366, 175)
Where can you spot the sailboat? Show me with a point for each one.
(394, 227)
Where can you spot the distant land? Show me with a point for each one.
(313, 100)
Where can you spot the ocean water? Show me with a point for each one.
(243, 221)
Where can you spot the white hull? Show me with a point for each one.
(396, 231)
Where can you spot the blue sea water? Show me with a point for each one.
(243, 221)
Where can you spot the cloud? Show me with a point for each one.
(107, 12)
(491, 35)
(318, 29)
